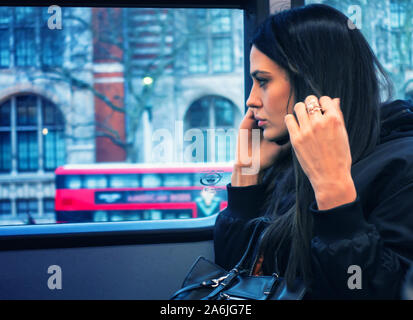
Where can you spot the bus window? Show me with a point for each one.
(95, 181)
(153, 87)
(151, 180)
(123, 181)
(175, 180)
(72, 181)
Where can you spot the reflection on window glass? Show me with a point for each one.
(387, 26)
(115, 87)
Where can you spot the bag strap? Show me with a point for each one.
(250, 248)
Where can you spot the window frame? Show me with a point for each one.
(33, 126)
(127, 232)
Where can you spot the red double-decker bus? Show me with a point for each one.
(125, 192)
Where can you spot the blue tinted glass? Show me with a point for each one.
(124, 181)
(95, 181)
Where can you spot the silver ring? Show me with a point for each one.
(313, 106)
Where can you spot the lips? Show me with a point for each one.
(260, 121)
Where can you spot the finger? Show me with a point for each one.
(249, 121)
(249, 114)
(313, 108)
(302, 115)
(292, 126)
(311, 99)
(337, 101)
(328, 105)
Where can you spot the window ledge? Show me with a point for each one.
(106, 233)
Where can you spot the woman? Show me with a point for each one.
(335, 181)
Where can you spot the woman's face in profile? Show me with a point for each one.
(269, 94)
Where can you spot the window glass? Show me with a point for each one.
(95, 181)
(198, 56)
(222, 18)
(177, 180)
(5, 207)
(52, 48)
(95, 96)
(387, 26)
(151, 180)
(25, 15)
(4, 16)
(48, 206)
(221, 54)
(4, 47)
(26, 210)
(124, 181)
(5, 114)
(72, 181)
(26, 110)
(25, 47)
(27, 151)
(5, 155)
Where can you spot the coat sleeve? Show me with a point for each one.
(359, 256)
(232, 231)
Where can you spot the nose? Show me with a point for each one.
(253, 100)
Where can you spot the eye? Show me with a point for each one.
(262, 82)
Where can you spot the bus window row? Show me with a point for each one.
(146, 180)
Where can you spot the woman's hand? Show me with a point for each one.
(320, 142)
(253, 153)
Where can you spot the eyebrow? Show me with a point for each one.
(257, 72)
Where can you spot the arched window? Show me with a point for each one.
(218, 120)
(32, 129)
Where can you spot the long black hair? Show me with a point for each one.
(323, 55)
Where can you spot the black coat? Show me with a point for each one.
(375, 232)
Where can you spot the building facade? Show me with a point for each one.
(46, 119)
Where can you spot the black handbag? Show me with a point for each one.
(208, 281)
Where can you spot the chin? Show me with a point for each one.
(277, 137)
(269, 134)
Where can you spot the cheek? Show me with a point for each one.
(277, 107)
